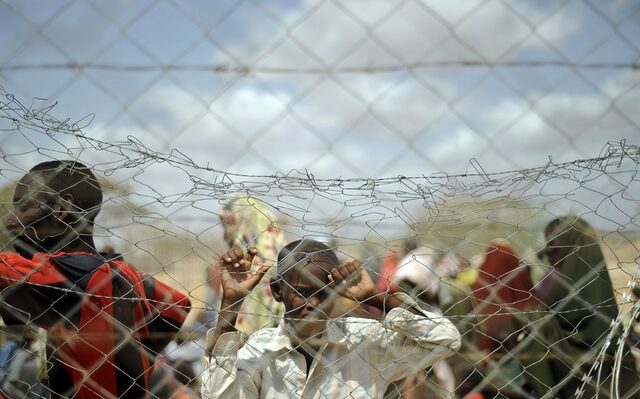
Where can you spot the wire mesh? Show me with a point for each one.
(432, 142)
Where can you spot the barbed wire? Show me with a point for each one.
(248, 70)
(559, 80)
(477, 189)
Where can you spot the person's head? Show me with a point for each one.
(55, 203)
(302, 285)
(562, 235)
(415, 275)
(500, 251)
(410, 244)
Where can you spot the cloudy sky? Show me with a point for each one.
(337, 89)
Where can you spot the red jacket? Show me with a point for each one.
(105, 319)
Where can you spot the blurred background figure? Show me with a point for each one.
(172, 381)
(418, 275)
(387, 268)
(563, 343)
(21, 365)
(184, 354)
(248, 222)
(176, 372)
(390, 263)
(456, 302)
(454, 295)
(634, 336)
(502, 292)
(431, 277)
(188, 382)
(209, 317)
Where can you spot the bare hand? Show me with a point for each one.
(350, 280)
(237, 278)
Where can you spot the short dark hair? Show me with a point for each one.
(567, 223)
(552, 225)
(311, 250)
(71, 177)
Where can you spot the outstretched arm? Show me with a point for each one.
(172, 308)
(410, 337)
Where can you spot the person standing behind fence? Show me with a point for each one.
(106, 320)
(430, 278)
(503, 289)
(502, 293)
(563, 343)
(308, 355)
(249, 222)
(390, 263)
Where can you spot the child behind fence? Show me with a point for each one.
(307, 355)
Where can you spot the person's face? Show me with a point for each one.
(35, 223)
(308, 299)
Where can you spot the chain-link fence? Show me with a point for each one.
(480, 157)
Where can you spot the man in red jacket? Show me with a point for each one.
(106, 320)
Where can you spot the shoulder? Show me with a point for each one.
(11, 257)
(128, 269)
(16, 260)
(16, 268)
(14, 263)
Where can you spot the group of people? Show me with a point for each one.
(557, 336)
(276, 331)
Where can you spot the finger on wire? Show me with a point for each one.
(336, 276)
(251, 254)
(332, 282)
(344, 272)
(264, 268)
(226, 258)
(225, 274)
(257, 276)
(353, 267)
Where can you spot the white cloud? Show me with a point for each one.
(380, 33)
(368, 125)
